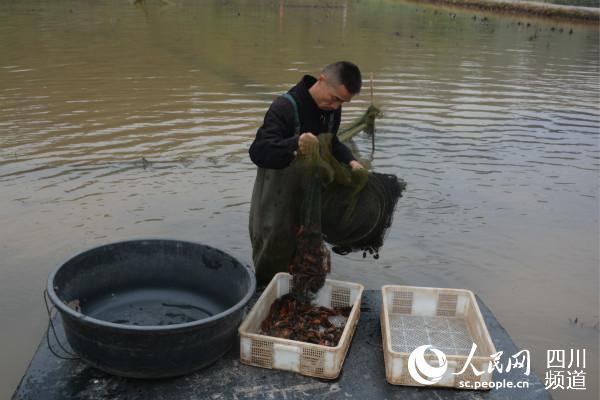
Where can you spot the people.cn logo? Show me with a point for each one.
(420, 369)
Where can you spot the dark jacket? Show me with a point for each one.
(276, 143)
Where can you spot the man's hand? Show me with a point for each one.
(307, 142)
(356, 165)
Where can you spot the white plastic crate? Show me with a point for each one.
(448, 320)
(291, 355)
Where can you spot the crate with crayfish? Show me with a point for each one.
(336, 305)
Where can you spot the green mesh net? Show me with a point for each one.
(317, 199)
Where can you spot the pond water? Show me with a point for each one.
(120, 121)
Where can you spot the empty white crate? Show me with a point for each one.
(448, 320)
(291, 355)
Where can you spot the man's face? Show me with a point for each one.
(333, 96)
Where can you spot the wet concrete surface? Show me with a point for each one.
(362, 377)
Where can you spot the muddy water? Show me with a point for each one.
(119, 122)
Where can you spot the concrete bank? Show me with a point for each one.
(363, 375)
(574, 13)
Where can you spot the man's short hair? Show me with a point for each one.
(344, 73)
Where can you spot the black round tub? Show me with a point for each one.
(151, 308)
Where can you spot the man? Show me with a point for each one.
(319, 104)
(290, 128)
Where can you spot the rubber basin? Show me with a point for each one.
(151, 308)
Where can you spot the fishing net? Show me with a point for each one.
(365, 122)
(296, 209)
(316, 198)
(357, 206)
(311, 262)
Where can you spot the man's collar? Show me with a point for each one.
(305, 84)
(308, 81)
